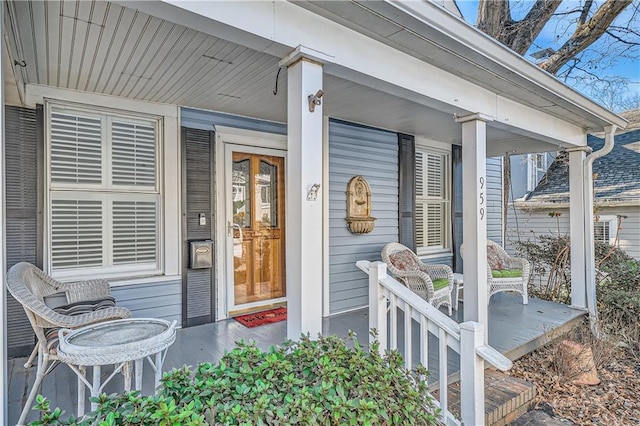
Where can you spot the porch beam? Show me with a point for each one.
(303, 208)
(474, 217)
(577, 214)
(277, 27)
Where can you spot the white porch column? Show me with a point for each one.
(474, 217)
(577, 214)
(303, 212)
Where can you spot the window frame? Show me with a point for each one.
(612, 222)
(107, 192)
(446, 201)
(535, 173)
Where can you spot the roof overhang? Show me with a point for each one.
(385, 66)
(427, 31)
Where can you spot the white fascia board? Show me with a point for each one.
(457, 29)
(279, 27)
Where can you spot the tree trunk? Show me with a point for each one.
(494, 19)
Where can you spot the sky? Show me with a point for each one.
(619, 67)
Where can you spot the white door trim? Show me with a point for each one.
(228, 138)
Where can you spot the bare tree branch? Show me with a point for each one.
(585, 34)
(621, 40)
(494, 18)
(585, 12)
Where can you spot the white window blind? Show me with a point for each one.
(605, 229)
(76, 149)
(76, 233)
(432, 200)
(133, 154)
(104, 193)
(134, 231)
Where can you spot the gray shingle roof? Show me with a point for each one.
(618, 173)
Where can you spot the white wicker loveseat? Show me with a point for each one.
(431, 282)
(88, 302)
(506, 273)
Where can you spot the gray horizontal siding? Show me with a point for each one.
(372, 153)
(151, 300)
(494, 199)
(207, 120)
(531, 224)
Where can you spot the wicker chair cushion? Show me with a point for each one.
(73, 309)
(506, 273)
(494, 259)
(440, 283)
(404, 261)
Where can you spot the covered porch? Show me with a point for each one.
(514, 329)
(408, 68)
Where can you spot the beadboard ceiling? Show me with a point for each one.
(105, 48)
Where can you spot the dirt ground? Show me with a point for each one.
(615, 401)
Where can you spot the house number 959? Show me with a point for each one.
(481, 198)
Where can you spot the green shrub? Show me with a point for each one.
(618, 283)
(551, 255)
(329, 381)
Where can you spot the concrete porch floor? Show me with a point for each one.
(514, 330)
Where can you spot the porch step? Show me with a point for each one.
(506, 398)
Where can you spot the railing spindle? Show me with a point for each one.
(408, 313)
(393, 322)
(442, 362)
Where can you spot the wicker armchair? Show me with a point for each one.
(89, 302)
(431, 282)
(506, 273)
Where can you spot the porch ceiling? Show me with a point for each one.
(106, 48)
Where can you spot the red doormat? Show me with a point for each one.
(262, 318)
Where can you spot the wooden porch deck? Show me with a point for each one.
(514, 330)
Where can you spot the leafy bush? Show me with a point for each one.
(551, 255)
(618, 283)
(328, 381)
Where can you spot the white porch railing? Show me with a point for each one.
(387, 296)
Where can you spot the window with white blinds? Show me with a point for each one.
(104, 197)
(605, 229)
(432, 215)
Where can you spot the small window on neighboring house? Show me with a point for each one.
(103, 193)
(536, 168)
(605, 228)
(432, 215)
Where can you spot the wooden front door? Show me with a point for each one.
(256, 225)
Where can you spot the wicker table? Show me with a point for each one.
(115, 342)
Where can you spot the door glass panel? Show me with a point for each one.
(267, 202)
(240, 192)
(258, 235)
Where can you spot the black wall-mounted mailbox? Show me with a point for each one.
(201, 254)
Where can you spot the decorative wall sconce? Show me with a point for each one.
(359, 220)
(315, 100)
(312, 195)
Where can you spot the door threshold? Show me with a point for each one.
(254, 309)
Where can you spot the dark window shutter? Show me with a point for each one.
(456, 208)
(198, 294)
(407, 190)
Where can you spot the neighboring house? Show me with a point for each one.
(616, 203)
(133, 129)
(527, 171)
